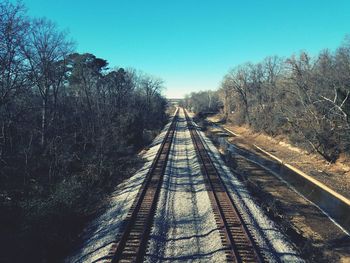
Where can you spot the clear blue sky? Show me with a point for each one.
(192, 44)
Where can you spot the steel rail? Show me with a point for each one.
(235, 236)
(131, 243)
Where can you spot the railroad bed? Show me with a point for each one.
(239, 243)
(185, 206)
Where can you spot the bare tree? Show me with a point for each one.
(306, 97)
(237, 81)
(13, 28)
(46, 49)
(150, 86)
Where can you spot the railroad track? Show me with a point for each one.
(239, 244)
(131, 244)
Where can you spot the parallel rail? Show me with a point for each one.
(240, 245)
(131, 243)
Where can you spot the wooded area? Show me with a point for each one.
(69, 130)
(304, 98)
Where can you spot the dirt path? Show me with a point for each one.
(322, 240)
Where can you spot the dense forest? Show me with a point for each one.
(305, 98)
(70, 128)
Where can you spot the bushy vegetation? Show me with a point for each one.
(69, 131)
(304, 98)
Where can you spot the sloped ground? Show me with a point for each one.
(336, 176)
(317, 237)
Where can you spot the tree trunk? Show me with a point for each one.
(43, 121)
(246, 110)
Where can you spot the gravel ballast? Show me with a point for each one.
(184, 226)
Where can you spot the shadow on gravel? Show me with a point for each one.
(179, 209)
(188, 258)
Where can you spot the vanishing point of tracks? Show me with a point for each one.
(131, 244)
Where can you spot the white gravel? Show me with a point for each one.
(99, 234)
(184, 227)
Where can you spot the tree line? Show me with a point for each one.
(303, 97)
(67, 121)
